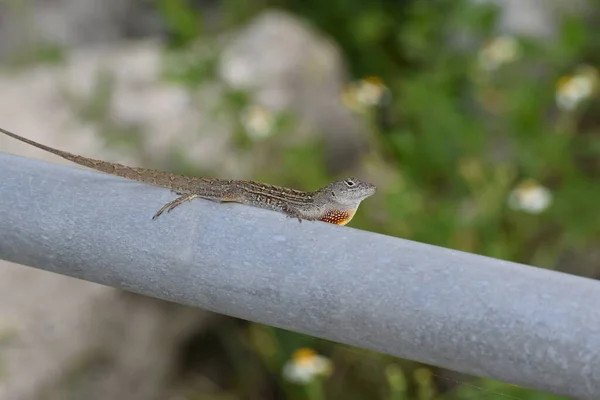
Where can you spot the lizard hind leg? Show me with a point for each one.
(172, 204)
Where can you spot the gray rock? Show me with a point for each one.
(71, 23)
(534, 18)
(65, 338)
(291, 67)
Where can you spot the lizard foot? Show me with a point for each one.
(291, 213)
(172, 204)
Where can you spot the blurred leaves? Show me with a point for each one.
(183, 21)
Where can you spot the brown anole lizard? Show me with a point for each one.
(335, 203)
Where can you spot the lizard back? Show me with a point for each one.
(277, 196)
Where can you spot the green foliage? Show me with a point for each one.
(40, 53)
(182, 20)
(30, 52)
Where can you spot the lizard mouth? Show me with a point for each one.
(372, 190)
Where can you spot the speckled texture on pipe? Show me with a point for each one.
(473, 314)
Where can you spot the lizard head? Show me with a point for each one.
(348, 192)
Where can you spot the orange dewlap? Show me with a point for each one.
(338, 217)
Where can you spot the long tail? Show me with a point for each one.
(154, 177)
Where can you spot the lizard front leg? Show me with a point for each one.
(292, 213)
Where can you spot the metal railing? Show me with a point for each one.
(472, 314)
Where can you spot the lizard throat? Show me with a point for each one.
(338, 217)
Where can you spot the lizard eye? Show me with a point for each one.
(349, 182)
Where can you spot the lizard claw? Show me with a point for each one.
(290, 213)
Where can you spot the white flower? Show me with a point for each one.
(365, 93)
(498, 51)
(305, 365)
(370, 91)
(258, 122)
(529, 196)
(573, 89)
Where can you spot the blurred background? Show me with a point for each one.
(477, 119)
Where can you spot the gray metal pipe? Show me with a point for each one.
(472, 314)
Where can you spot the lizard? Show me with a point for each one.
(334, 203)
